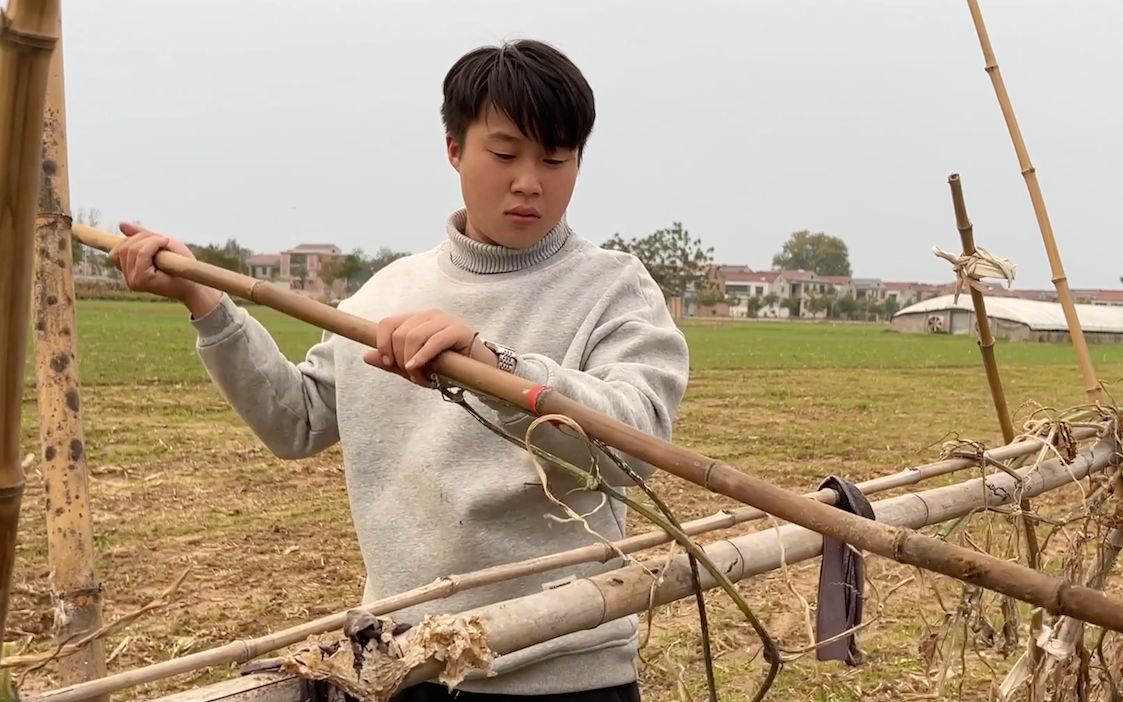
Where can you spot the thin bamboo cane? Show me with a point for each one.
(242, 651)
(1092, 385)
(751, 554)
(26, 41)
(994, 381)
(70, 549)
(983, 570)
(986, 339)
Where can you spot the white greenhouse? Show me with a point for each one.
(1011, 318)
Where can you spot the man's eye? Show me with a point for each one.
(503, 157)
(555, 161)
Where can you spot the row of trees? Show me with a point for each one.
(355, 268)
(679, 262)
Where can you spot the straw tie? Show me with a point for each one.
(970, 269)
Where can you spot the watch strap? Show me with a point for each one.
(507, 359)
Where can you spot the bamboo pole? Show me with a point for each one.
(983, 570)
(986, 339)
(70, 549)
(997, 393)
(750, 554)
(1092, 385)
(242, 651)
(518, 624)
(26, 42)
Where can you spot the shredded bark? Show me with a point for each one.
(373, 657)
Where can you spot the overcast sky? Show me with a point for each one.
(278, 122)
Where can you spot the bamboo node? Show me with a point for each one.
(43, 219)
(23, 37)
(971, 269)
(899, 541)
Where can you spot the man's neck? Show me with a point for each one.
(479, 254)
(473, 232)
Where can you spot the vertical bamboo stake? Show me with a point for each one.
(997, 393)
(986, 339)
(26, 41)
(1092, 385)
(74, 586)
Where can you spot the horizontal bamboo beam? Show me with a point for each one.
(1052, 593)
(245, 650)
(519, 624)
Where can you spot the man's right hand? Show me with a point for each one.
(135, 258)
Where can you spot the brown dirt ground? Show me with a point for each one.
(177, 481)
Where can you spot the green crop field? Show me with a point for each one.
(178, 482)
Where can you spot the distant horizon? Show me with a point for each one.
(280, 124)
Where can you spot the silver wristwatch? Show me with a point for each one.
(507, 358)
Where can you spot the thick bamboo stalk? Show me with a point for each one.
(242, 651)
(753, 553)
(994, 381)
(979, 569)
(1092, 385)
(26, 41)
(518, 624)
(70, 549)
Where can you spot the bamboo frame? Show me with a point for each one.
(1052, 593)
(1092, 386)
(70, 543)
(518, 624)
(245, 650)
(26, 41)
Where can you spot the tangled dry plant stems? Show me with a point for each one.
(35, 661)
(984, 625)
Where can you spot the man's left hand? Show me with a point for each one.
(408, 343)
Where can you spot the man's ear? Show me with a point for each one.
(453, 148)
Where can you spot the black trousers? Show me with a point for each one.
(429, 692)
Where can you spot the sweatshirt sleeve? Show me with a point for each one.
(635, 371)
(290, 407)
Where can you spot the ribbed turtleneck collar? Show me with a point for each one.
(477, 257)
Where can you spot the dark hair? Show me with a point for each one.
(534, 84)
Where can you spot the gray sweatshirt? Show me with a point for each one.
(431, 491)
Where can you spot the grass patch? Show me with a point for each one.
(178, 480)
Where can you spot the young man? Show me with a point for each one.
(431, 491)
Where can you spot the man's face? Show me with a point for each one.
(514, 191)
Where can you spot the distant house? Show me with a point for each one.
(742, 285)
(302, 265)
(299, 269)
(789, 292)
(264, 266)
(871, 289)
